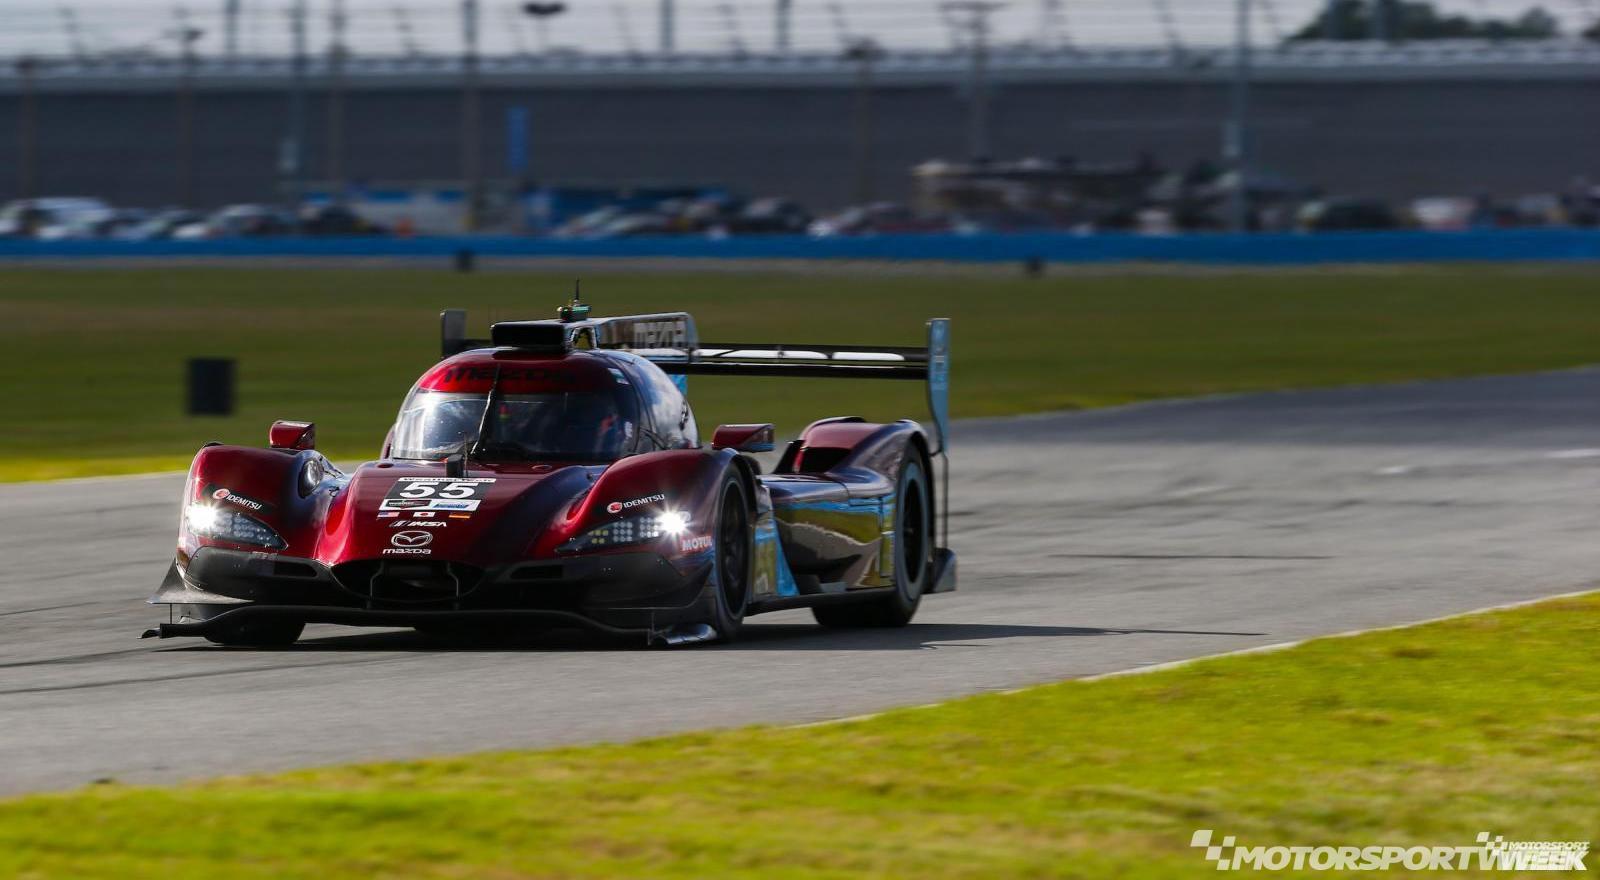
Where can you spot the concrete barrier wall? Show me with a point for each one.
(1396, 139)
(1266, 249)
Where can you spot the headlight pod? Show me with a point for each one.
(226, 524)
(625, 532)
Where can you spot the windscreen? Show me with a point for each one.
(554, 426)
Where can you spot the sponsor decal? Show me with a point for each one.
(424, 504)
(222, 493)
(459, 515)
(409, 544)
(388, 514)
(694, 543)
(620, 506)
(423, 514)
(418, 524)
(402, 504)
(509, 374)
(1487, 854)
(660, 334)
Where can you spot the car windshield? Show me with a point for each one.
(558, 426)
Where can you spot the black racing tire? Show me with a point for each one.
(258, 634)
(913, 564)
(735, 557)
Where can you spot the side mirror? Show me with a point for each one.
(292, 435)
(743, 438)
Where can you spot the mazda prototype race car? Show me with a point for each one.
(553, 475)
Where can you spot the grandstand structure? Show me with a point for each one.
(1384, 119)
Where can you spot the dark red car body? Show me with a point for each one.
(664, 538)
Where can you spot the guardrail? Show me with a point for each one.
(1262, 249)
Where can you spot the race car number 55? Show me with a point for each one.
(436, 493)
(448, 490)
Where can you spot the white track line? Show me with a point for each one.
(1178, 664)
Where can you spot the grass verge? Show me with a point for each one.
(94, 363)
(1422, 736)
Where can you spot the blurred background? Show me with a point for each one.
(142, 120)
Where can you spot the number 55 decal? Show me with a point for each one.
(417, 493)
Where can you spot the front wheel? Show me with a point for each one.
(734, 557)
(913, 562)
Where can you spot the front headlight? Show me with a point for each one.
(633, 530)
(224, 524)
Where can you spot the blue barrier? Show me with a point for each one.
(1219, 249)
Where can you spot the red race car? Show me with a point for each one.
(553, 475)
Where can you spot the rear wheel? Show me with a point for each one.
(259, 634)
(913, 563)
(734, 558)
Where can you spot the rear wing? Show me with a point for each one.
(930, 364)
(669, 340)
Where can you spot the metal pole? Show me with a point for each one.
(294, 157)
(27, 127)
(1380, 20)
(230, 29)
(977, 27)
(979, 136)
(471, 133)
(1238, 139)
(1330, 20)
(780, 35)
(186, 118)
(865, 53)
(668, 28)
(336, 59)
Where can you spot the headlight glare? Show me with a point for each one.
(633, 530)
(223, 524)
(673, 522)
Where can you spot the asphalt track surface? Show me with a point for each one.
(1089, 542)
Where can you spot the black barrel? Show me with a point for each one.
(211, 386)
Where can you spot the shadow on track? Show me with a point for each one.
(754, 637)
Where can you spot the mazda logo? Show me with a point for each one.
(411, 539)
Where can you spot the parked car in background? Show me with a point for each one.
(159, 224)
(334, 220)
(876, 219)
(770, 216)
(588, 223)
(1344, 215)
(239, 221)
(634, 225)
(55, 217)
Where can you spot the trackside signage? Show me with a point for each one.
(1489, 853)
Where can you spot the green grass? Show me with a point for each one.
(1424, 736)
(93, 365)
